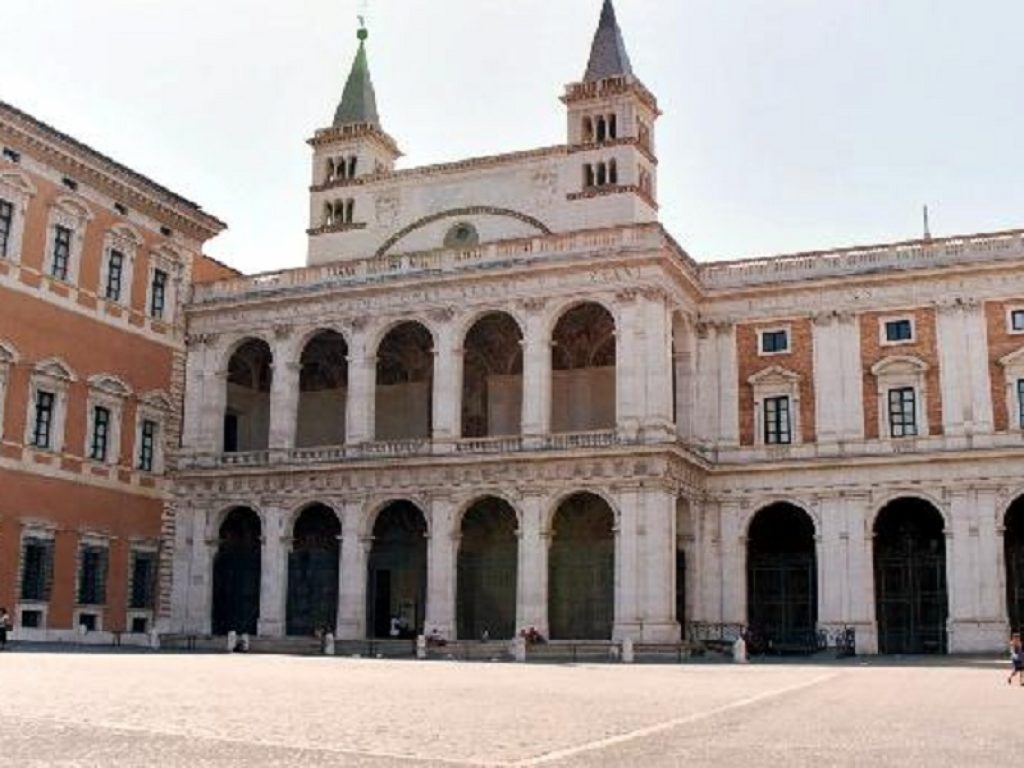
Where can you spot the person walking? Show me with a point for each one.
(1016, 659)
(5, 627)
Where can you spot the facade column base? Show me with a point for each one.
(270, 628)
(350, 630)
(624, 629)
(978, 636)
(866, 643)
(660, 632)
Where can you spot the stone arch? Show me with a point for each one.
(602, 493)
(782, 578)
(237, 568)
(581, 569)
(405, 383)
(927, 497)
(1013, 558)
(313, 568)
(487, 570)
(250, 372)
(762, 503)
(461, 213)
(583, 369)
(323, 390)
(396, 578)
(492, 377)
(911, 593)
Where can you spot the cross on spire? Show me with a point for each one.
(608, 57)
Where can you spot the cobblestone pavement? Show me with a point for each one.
(70, 709)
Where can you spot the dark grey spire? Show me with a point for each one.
(358, 102)
(608, 57)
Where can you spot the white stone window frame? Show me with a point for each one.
(1010, 310)
(97, 541)
(44, 532)
(784, 328)
(155, 407)
(75, 216)
(1013, 371)
(17, 189)
(902, 372)
(149, 614)
(109, 392)
(776, 381)
(127, 241)
(8, 359)
(883, 339)
(169, 262)
(50, 375)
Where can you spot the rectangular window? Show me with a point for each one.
(42, 431)
(158, 294)
(774, 341)
(61, 252)
(6, 225)
(777, 429)
(899, 330)
(1017, 320)
(36, 569)
(143, 595)
(147, 445)
(100, 433)
(115, 274)
(92, 575)
(903, 412)
(1020, 402)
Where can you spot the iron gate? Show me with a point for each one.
(236, 590)
(312, 591)
(783, 601)
(912, 601)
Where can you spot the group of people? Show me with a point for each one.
(6, 625)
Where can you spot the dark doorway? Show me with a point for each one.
(313, 572)
(405, 381)
(236, 574)
(247, 414)
(910, 578)
(583, 360)
(487, 571)
(681, 587)
(581, 570)
(397, 572)
(1013, 543)
(782, 580)
(492, 378)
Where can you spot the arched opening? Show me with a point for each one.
(601, 129)
(782, 579)
(910, 578)
(492, 378)
(236, 573)
(588, 175)
(487, 569)
(613, 126)
(396, 593)
(1013, 543)
(323, 383)
(602, 174)
(313, 572)
(247, 417)
(581, 570)
(405, 376)
(613, 172)
(583, 370)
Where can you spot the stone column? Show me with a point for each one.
(193, 572)
(214, 403)
(627, 565)
(630, 365)
(728, 385)
(355, 550)
(709, 603)
(273, 573)
(657, 334)
(657, 557)
(536, 411)
(447, 394)
(832, 561)
(284, 404)
(532, 586)
(361, 397)
(734, 564)
(684, 360)
(442, 547)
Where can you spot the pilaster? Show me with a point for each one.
(656, 547)
(536, 411)
(532, 587)
(441, 551)
(273, 574)
(447, 394)
(361, 403)
(627, 566)
(355, 550)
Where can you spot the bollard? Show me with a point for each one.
(519, 649)
(421, 647)
(739, 651)
(328, 644)
(154, 640)
(627, 651)
(232, 641)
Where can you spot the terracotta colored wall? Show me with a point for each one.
(1000, 343)
(799, 360)
(923, 347)
(207, 270)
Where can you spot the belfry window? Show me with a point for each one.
(588, 175)
(613, 172)
(602, 129)
(613, 127)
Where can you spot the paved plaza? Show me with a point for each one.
(94, 709)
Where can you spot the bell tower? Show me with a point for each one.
(354, 147)
(611, 117)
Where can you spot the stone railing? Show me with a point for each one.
(489, 445)
(357, 271)
(570, 440)
(918, 254)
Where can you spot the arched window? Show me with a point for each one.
(613, 172)
(588, 130)
(588, 175)
(583, 370)
(602, 129)
(613, 127)
(350, 210)
(352, 166)
(602, 174)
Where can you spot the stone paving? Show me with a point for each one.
(70, 709)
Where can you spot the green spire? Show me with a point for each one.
(358, 101)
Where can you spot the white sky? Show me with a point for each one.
(789, 124)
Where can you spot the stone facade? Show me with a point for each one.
(520, 332)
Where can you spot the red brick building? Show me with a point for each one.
(95, 262)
